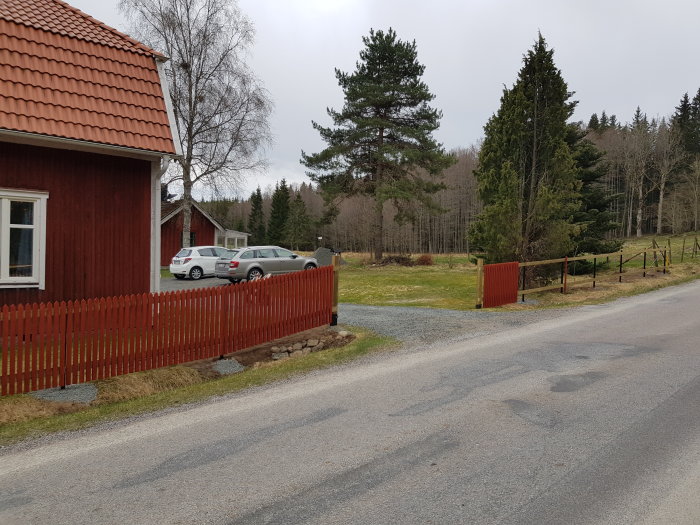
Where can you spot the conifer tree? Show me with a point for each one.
(256, 219)
(686, 120)
(527, 175)
(381, 144)
(279, 213)
(298, 228)
(594, 123)
(594, 218)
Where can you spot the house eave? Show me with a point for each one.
(47, 141)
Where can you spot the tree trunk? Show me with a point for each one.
(378, 207)
(186, 212)
(640, 205)
(660, 208)
(378, 230)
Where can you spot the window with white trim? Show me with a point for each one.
(22, 238)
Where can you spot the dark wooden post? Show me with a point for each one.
(479, 283)
(594, 266)
(336, 278)
(619, 279)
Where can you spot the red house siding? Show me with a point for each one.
(171, 234)
(97, 221)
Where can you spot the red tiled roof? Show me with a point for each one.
(64, 74)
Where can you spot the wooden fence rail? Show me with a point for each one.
(64, 343)
(496, 284)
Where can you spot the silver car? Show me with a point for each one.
(255, 262)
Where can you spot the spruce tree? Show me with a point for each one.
(687, 120)
(594, 218)
(298, 232)
(279, 213)
(527, 175)
(256, 219)
(381, 144)
(594, 123)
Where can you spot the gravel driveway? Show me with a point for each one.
(170, 284)
(423, 326)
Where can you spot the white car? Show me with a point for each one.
(196, 262)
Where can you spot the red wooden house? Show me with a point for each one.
(85, 132)
(204, 231)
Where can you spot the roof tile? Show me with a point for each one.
(64, 74)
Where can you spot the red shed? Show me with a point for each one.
(85, 132)
(204, 231)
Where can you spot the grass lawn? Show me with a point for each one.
(451, 281)
(437, 286)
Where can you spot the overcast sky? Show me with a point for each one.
(614, 54)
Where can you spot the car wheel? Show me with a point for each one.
(179, 276)
(310, 266)
(196, 273)
(254, 274)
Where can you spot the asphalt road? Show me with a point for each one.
(592, 417)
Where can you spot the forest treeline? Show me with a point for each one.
(650, 183)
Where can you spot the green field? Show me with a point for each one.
(446, 284)
(451, 281)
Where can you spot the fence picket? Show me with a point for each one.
(5, 349)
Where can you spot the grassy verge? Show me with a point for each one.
(42, 418)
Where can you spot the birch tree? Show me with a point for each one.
(221, 109)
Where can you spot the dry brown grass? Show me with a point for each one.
(608, 288)
(17, 409)
(143, 384)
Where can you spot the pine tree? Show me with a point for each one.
(256, 219)
(279, 213)
(382, 138)
(527, 175)
(298, 232)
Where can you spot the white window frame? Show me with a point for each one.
(38, 278)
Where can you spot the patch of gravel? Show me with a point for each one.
(428, 326)
(228, 366)
(83, 393)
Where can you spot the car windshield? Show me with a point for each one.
(183, 253)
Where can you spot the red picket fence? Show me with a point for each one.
(58, 344)
(500, 284)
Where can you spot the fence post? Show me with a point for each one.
(665, 261)
(336, 277)
(594, 266)
(479, 283)
(683, 249)
(644, 273)
(670, 255)
(566, 271)
(619, 279)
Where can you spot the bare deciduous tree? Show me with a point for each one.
(668, 157)
(220, 107)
